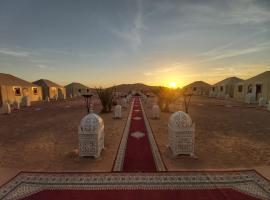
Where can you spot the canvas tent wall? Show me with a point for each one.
(197, 88)
(259, 86)
(225, 87)
(51, 89)
(14, 89)
(239, 94)
(77, 89)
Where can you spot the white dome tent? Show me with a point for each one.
(181, 134)
(91, 135)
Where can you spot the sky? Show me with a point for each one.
(156, 42)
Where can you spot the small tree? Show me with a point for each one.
(106, 98)
(166, 96)
(187, 98)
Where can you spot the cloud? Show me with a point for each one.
(14, 52)
(226, 12)
(168, 69)
(133, 34)
(163, 70)
(42, 66)
(148, 73)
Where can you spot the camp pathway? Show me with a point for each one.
(138, 151)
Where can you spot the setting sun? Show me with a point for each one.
(172, 85)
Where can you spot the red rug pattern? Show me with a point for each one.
(234, 185)
(138, 155)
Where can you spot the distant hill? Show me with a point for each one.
(136, 86)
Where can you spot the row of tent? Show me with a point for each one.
(13, 89)
(250, 90)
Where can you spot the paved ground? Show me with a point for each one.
(44, 138)
(228, 135)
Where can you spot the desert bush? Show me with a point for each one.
(106, 98)
(166, 96)
(187, 98)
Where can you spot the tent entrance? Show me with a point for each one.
(1, 100)
(258, 91)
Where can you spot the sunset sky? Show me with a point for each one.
(101, 43)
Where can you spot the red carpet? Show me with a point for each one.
(234, 185)
(211, 194)
(138, 156)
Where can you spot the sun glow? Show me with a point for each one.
(172, 85)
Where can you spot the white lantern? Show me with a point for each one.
(16, 105)
(155, 112)
(6, 108)
(262, 102)
(227, 97)
(250, 98)
(181, 134)
(26, 101)
(70, 96)
(124, 102)
(47, 99)
(91, 135)
(118, 111)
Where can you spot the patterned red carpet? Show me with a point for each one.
(241, 185)
(137, 156)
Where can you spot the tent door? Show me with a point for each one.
(258, 91)
(1, 100)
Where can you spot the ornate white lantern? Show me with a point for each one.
(6, 108)
(91, 135)
(155, 112)
(124, 102)
(181, 134)
(16, 105)
(262, 102)
(118, 111)
(149, 102)
(47, 99)
(227, 97)
(26, 101)
(250, 98)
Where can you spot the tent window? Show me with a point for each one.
(249, 90)
(213, 89)
(17, 91)
(221, 88)
(35, 91)
(240, 88)
(87, 90)
(194, 89)
(79, 90)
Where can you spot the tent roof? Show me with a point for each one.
(198, 83)
(230, 80)
(10, 80)
(77, 85)
(262, 76)
(46, 82)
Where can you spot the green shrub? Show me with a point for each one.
(106, 98)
